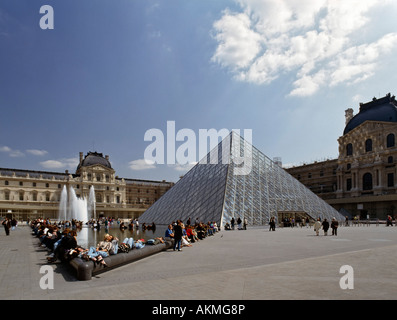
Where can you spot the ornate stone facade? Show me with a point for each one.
(364, 176)
(28, 194)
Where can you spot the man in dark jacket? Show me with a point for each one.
(325, 226)
(178, 235)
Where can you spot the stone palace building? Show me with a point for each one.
(362, 181)
(26, 194)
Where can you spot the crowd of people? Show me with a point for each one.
(184, 235)
(324, 224)
(60, 239)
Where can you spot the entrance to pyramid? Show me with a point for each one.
(293, 218)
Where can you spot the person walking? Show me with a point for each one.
(325, 225)
(178, 233)
(334, 226)
(317, 226)
(7, 224)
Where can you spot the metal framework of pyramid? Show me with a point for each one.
(218, 189)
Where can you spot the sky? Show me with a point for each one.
(110, 71)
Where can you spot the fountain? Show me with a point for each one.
(91, 206)
(73, 207)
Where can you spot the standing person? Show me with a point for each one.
(7, 224)
(325, 225)
(334, 226)
(232, 223)
(317, 226)
(13, 223)
(239, 223)
(272, 224)
(178, 233)
(245, 223)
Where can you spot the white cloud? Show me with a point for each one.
(11, 152)
(36, 152)
(317, 40)
(142, 164)
(69, 163)
(183, 167)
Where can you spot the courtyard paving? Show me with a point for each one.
(253, 264)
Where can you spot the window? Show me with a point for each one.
(6, 195)
(367, 181)
(390, 179)
(348, 166)
(98, 197)
(21, 183)
(390, 159)
(6, 183)
(34, 184)
(98, 177)
(390, 141)
(349, 149)
(349, 184)
(368, 145)
(47, 185)
(47, 197)
(21, 196)
(34, 196)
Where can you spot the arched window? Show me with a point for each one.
(368, 145)
(98, 197)
(367, 181)
(390, 141)
(349, 149)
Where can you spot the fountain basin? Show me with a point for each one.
(86, 269)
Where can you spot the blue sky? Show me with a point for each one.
(111, 70)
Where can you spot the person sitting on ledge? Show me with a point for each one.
(169, 234)
(155, 241)
(69, 241)
(109, 244)
(139, 244)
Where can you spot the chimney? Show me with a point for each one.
(81, 157)
(348, 115)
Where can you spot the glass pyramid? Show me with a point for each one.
(221, 187)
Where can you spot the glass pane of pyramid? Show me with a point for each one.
(222, 186)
